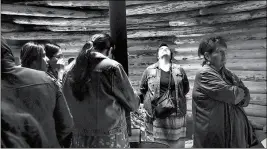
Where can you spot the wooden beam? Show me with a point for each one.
(256, 110)
(193, 48)
(92, 22)
(172, 16)
(224, 18)
(171, 6)
(76, 28)
(79, 3)
(9, 27)
(241, 26)
(231, 54)
(231, 45)
(258, 99)
(46, 35)
(257, 122)
(118, 32)
(23, 10)
(234, 7)
(233, 35)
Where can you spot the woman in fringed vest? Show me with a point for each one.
(168, 127)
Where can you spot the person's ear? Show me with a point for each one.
(207, 56)
(110, 52)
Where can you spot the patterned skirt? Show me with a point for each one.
(170, 130)
(118, 140)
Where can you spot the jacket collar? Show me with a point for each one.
(98, 55)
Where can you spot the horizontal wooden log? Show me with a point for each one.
(253, 34)
(86, 25)
(231, 45)
(92, 22)
(215, 19)
(9, 27)
(256, 110)
(237, 54)
(234, 7)
(24, 10)
(188, 48)
(179, 32)
(204, 20)
(170, 6)
(257, 122)
(258, 99)
(241, 26)
(47, 35)
(80, 4)
(149, 18)
(231, 35)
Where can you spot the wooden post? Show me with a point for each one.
(117, 16)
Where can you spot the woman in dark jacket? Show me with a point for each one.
(169, 129)
(99, 92)
(218, 100)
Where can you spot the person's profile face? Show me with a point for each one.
(44, 61)
(54, 61)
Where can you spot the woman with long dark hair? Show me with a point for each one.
(33, 56)
(99, 92)
(163, 87)
(219, 120)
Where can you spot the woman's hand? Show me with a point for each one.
(240, 95)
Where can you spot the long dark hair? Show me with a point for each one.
(30, 52)
(51, 49)
(80, 74)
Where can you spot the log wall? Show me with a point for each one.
(180, 24)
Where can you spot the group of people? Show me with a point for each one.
(45, 104)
